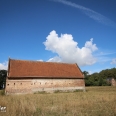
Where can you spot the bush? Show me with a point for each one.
(2, 92)
(40, 92)
(58, 91)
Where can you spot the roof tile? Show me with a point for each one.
(24, 68)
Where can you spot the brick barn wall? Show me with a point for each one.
(49, 85)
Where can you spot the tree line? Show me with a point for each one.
(102, 78)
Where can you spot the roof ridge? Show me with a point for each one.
(26, 60)
(43, 61)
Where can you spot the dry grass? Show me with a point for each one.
(96, 101)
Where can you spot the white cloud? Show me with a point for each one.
(92, 14)
(105, 53)
(4, 65)
(103, 57)
(55, 59)
(90, 45)
(40, 60)
(68, 51)
(113, 61)
(90, 72)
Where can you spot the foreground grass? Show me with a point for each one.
(96, 101)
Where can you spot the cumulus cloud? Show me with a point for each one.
(55, 59)
(113, 61)
(67, 49)
(4, 65)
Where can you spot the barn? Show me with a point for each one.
(26, 76)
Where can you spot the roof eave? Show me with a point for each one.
(42, 77)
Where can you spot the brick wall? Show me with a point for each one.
(49, 85)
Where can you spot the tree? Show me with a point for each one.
(3, 75)
(101, 78)
(85, 73)
(87, 79)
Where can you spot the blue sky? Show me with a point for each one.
(72, 31)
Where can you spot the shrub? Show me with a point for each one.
(2, 92)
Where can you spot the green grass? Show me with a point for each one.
(96, 101)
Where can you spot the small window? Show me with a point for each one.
(14, 83)
(8, 84)
(21, 83)
(40, 83)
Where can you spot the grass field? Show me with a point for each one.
(96, 101)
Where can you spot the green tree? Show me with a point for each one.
(101, 78)
(87, 79)
(3, 74)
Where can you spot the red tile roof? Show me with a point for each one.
(37, 69)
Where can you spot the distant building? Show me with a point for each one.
(112, 81)
(32, 76)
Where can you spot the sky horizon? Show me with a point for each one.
(69, 31)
